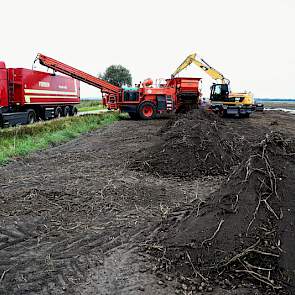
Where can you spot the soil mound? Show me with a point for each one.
(193, 145)
(245, 231)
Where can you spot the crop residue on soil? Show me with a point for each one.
(243, 233)
(79, 218)
(195, 144)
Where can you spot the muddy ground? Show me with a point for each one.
(75, 218)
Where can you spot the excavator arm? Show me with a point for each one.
(214, 74)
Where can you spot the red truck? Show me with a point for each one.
(28, 95)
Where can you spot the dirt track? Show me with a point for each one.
(72, 217)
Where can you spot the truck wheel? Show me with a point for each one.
(1, 121)
(74, 111)
(147, 111)
(58, 112)
(31, 117)
(67, 111)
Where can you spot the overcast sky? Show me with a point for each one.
(252, 42)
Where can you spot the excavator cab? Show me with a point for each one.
(219, 92)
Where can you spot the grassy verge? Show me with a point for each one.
(89, 105)
(22, 140)
(94, 108)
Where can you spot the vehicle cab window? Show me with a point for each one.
(131, 95)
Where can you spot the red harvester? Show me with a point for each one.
(144, 101)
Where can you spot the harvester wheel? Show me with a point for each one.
(31, 116)
(147, 111)
(67, 111)
(133, 116)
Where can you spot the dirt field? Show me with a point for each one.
(76, 218)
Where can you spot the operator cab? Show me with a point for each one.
(131, 94)
(219, 92)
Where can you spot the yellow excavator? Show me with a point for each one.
(222, 100)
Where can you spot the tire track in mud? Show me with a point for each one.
(36, 257)
(43, 261)
(72, 216)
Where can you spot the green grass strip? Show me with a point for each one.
(91, 108)
(22, 140)
(86, 105)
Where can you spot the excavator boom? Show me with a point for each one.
(58, 66)
(214, 74)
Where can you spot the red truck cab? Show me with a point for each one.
(3, 85)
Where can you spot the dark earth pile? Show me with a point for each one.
(244, 233)
(72, 217)
(196, 144)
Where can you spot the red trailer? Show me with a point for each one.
(28, 95)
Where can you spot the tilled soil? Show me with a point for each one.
(73, 217)
(243, 232)
(70, 216)
(197, 144)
